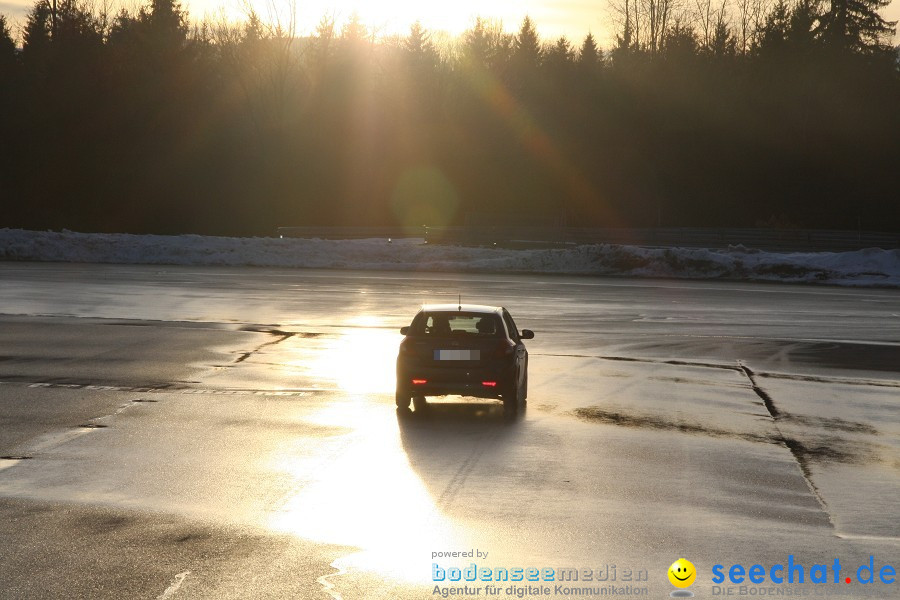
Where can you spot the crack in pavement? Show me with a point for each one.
(656, 361)
(281, 335)
(804, 453)
(830, 380)
(828, 450)
(740, 369)
(171, 389)
(766, 398)
(798, 450)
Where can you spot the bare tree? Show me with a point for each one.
(704, 17)
(748, 20)
(656, 14)
(263, 60)
(642, 24)
(622, 13)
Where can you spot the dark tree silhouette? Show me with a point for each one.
(150, 124)
(420, 50)
(9, 80)
(165, 24)
(559, 58)
(802, 26)
(590, 55)
(856, 26)
(423, 70)
(7, 47)
(485, 46)
(36, 38)
(723, 43)
(9, 62)
(526, 52)
(774, 32)
(476, 45)
(682, 43)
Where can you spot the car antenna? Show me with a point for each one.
(459, 308)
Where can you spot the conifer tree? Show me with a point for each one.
(7, 50)
(855, 26)
(36, 37)
(589, 56)
(527, 46)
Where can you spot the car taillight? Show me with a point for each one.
(489, 383)
(419, 381)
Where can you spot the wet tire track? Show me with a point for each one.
(465, 469)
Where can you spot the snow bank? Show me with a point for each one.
(871, 267)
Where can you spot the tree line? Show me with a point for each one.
(783, 114)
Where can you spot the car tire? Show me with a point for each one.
(525, 389)
(511, 398)
(402, 398)
(419, 403)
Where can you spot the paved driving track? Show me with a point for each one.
(172, 432)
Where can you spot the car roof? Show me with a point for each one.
(470, 308)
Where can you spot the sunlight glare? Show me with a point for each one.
(366, 495)
(394, 17)
(362, 359)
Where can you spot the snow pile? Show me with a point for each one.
(871, 267)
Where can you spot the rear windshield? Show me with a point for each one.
(448, 324)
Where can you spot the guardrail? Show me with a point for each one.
(530, 236)
(349, 233)
(762, 239)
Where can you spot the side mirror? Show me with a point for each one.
(404, 330)
(527, 334)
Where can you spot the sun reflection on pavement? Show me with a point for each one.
(361, 359)
(365, 495)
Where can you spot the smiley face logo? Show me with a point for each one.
(682, 573)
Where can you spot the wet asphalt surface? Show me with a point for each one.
(173, 432)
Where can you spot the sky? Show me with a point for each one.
(573, 18)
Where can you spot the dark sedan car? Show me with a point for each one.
(463, 349)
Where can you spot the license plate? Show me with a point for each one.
(457, 355)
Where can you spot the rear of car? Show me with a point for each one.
(469, 350)
(464, 352)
